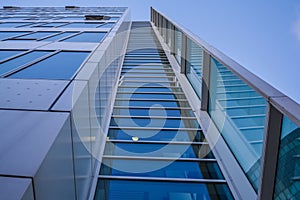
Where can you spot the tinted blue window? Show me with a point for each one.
(60, 36)
(82, 25)
(19, 61)
(169, 169)
(108, 25)
(153, 112)
(62, 65)
(155, 135)
(151, 103)
(53, 24)
(153, 122)
(156, 150)
(6, 54)
(37, 35)
(151, 190)
(12, 24)
(87, 37)
(7, 34)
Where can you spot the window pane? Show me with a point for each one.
(178, 44)
(239, 113)
(156, 135)
(60, 36)
(153, 190)
(158, 150)
(6, 54)
(194, 66)
(288, 169)
(12, 24)
(166, 169)
(19, 61)
(107, 25)
(87, 37)
(37, 35)
(7, 34)
(53, 24)
(62, 65)
(82, 25)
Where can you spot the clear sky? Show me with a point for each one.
(261, 35)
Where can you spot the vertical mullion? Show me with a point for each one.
(205, 81)
(270, 153)
(172, 39)
(183, 52)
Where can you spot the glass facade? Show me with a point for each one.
(239, 113)
(288, 169)
(48, 68)
(154, 135)
(194, 64)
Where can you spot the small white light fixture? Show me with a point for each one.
(134, 138)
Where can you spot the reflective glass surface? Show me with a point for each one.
(152, 103)
(52, 24)
(153, 190)
(239, 113)
(8, 34)
(178, 45)
(288, 168)
(154, 112)
(21, 60)
(156, 135)
(107, 25)
(194, 59)
(12, 24)
(62, 65)
(158, 150)
(82, 25)
(171, 169)
(6, 54)
(153, 122)
(87, 37)
(37, 35)
(59, 36)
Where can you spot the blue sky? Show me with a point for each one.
(263, 36)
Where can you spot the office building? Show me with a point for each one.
(97, 106)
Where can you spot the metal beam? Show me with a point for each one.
(205, 81)
(270, 153)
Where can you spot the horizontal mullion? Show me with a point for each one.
(154, 128)
(154, 117)
(157, 142)
(160, 158)
(150, 93)
(187, 180)
(247, 106)
(241, 98)
(155, 108)
(136, 99)
(251, 127)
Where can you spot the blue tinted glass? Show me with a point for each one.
(154, 112)
(288, 167)
(170, 169)
(153, 122)
(151, 103)
(19, 61)
(12, 24)
(149, 96)
(53, 24)
(82, 25)
(60, 36)
(155, 135)
(148, 89)
(151, 190)
(37, 35)
(62, 65)
(6, 34)
(107, 25)
(158, 150)
(242, 124)
(87, 37)
(6, 54)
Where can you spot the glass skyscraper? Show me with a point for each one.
(96, 106)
